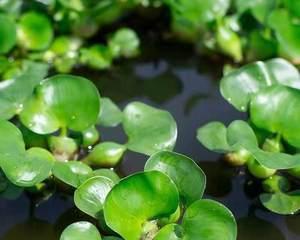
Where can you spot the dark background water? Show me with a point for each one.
(171, 77)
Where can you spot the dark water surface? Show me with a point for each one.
(173, 78)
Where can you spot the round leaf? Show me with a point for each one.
(124, 43)
(209, 220)
(276, 109)
(280, 202)
(34, 31)
(186, 174)
(79, 231)
(214, 137)
(137, 199)
(108, 173)
(11, 98)
(110, 114)
(73, 173)
(29, 168)
(238, 86)
(8, 33)
(149, 129)
(62, 101)
(90, 196)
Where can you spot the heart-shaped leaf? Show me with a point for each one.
(214, 137)
(108, 173)
(73, 173)
(149, 129)
(11, 98)
(79, 231)
(239, 135)
(186, 174)
(23, 168)
(280, 202)
(209, 220)
(8, 32)
(137, 199)
(34, 31)
(110, 114)
(53, 105)
(203, 220)
(276, 109)
(90, 196)
(238, 86)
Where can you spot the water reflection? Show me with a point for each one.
(33, 229)
(172, 78)
(252, 227)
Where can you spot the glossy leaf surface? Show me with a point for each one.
(149, 129)
(137, 199)
(79, 231)
(62, 101)
(186, 174)
(238, 86)
(90, 196)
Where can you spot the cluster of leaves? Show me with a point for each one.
(248, 30)
(46, 106)
(58, 32)
(269, 143)
(147, 205)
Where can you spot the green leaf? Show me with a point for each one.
(209, 220)
(287, 33)
(23, 168)
(53, 105)
(276, 109)
(170, 232)
(280, 202)
(191, 17)
(73, 173)
(125, 43)
(186, 174)
(28, 168)
(8, 32)
(213, 136)
(137, 199)
(240, 136)
(11, 98)
(108, 173)
(260, 9)
(149, 129)
(110, 114)
(238, 86)
(293, 7)
(79, 231)
(90, 196)
(106, 154)
(96, 56)
(34, 31)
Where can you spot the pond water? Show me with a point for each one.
(171, 77)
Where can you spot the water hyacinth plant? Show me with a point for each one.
(268, 143)
(170, 188)
(45, 110)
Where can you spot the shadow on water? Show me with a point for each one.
(173, 78)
